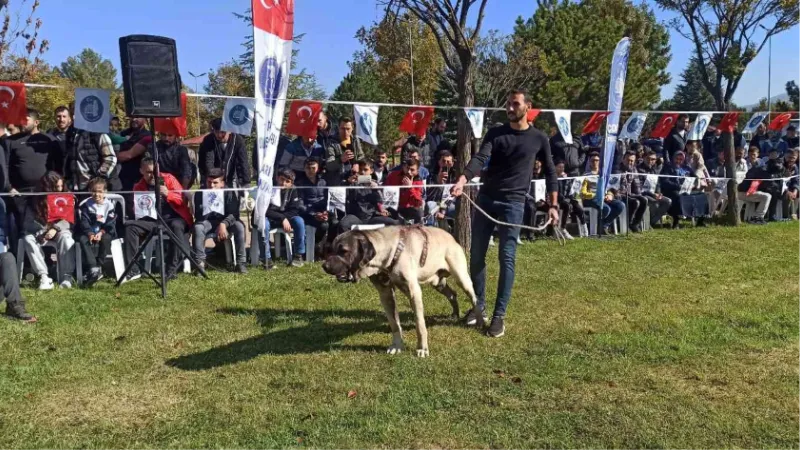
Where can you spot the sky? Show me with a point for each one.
(208, 34)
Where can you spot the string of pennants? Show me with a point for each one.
(92, 113)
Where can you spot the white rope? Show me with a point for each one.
(559, 235)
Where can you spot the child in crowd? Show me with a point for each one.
(286, 215)
(42, 230)
(98, 229)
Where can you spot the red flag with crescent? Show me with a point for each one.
(303, 117)
(729, 122)
(173, 125)
(664, 126)
(780, 122)
(417, 120)
(532, 115)
(275, 17)
(60, 207)
(593, 125)
(13, 109)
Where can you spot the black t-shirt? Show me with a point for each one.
(511, 155)
(129, 172)
(30, 156)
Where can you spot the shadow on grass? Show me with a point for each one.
(317, 335)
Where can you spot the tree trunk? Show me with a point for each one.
(732, 214)
(466, 99)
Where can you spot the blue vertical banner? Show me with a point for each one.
(616, 89)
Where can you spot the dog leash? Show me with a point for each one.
(559, 234)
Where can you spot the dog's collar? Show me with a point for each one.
(401, 245)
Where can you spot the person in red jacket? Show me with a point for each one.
(411, 205)
(175, 211)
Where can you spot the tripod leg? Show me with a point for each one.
(181, 248)
(135, 260)
(163, 262)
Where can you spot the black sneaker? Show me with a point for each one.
(297, 261)
(471, 319)
(200, 265)
(241, 268)
(17, 311)
(497, 328)
(95, 274)
(269, 265)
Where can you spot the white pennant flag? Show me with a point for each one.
(337, 197)
(367, 123)
(391, 197)
(238, 115)
(214, 202)
(614, 181)
(687, 185)
(650, 184)
(475, 116)
(92, 111)
(699, 127)
(563, 124)
(755, 121)
(144, 205)
(577, 184)
(633, 127)
(539, 190)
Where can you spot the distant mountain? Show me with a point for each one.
(775, 99)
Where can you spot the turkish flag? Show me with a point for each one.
(173, 125)
(532, 114)
(275, 17)
(303, 117)
(60, 207)
(728, 122)
(780, 122)
(13, 109)
(593, 125)
(416, 120)
(664, 126)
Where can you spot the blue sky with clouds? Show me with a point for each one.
(208, 34)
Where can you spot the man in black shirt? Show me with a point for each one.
(513, 149)
(173, 158)
(130, 155)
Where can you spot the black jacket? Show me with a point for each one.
(424, 148)
(291, 206)
(129, 173)
(363, 203)
(230, 157)
(335, 171)
(775, 169)
(231, 209)
(435, 194)
(674, 143)
(315, 195)
(755, 173)
(174, 160)
(573, 155)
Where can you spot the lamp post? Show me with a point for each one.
(197, 105)
(769, 75)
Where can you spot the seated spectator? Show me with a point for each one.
(753, 159)
(314, 192)
(364, 206)
(414, 154)
(223, 150)
(658, 203)
(790, 197)
(42, 230)
(223, 224)
(411, 206)
(790, 141)
(380, 170)
(774, 167)
(749, 194)
(761, 139)
(173, 158)
(716, 167)
(287, 215)
(175, 212)
(341, 153)
(296, 153)
(569, 204)
(444, 173)
(532, 205)
(9, 283)
(630, 192)
(740, 162)
(97, 230)
(672, 183)
(611, 207)
(696, 203)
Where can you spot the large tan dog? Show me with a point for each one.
(403, 258)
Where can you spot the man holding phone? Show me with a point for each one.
(442, 175)
(342, 153)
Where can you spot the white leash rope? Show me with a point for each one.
(559, 235)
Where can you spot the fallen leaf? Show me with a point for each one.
(352, 394)
(117, 295)
(517, 380)
(612, 384)
(120, 338)
(499, 373)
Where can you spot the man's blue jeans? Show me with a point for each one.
(482, 228)
(299, 231)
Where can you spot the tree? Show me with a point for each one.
(89, 70)
(456, 41)
(724, 34)
(21, 26)
(691, 94)
(794, 95)
(576, 41)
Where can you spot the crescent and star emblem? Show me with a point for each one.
(420, 114)
(266, 6)
(10, 91)
(304, 108)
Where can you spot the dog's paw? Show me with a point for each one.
(423, 353)
(395, 350)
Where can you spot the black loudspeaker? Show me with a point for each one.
(150, 76)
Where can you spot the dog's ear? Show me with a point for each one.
(366, 250)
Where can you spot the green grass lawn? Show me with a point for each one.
(681, 339)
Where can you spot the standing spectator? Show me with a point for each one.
(444, 173)
(716, 166)
(223, 225)
(630, 192)
(753, 159)
(774, 167)
(436, 139)
(296, 153)
(59, 133)
(790, 197)
(790, 141)
(89, 156)
(753, 196)
(341, 153)
(97, 229)
(676, 141)
(422, 147)
(173, 158)
(287, 215)
(364, 206)
(175, 212)
(130, 154)
(325, 133)
(226, 151)
(573, 155)
(115, 125)
(9, 283)
(611, 207)
(659, 204)
(313, 190)
(379, 169)
(761, 140)
(41, 230)
(411, 205)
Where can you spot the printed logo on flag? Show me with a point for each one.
(563, 126)
(365, 121)
(239, 115)
(271, 76)
(91, 108)
(635, 125)
(755, 121)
